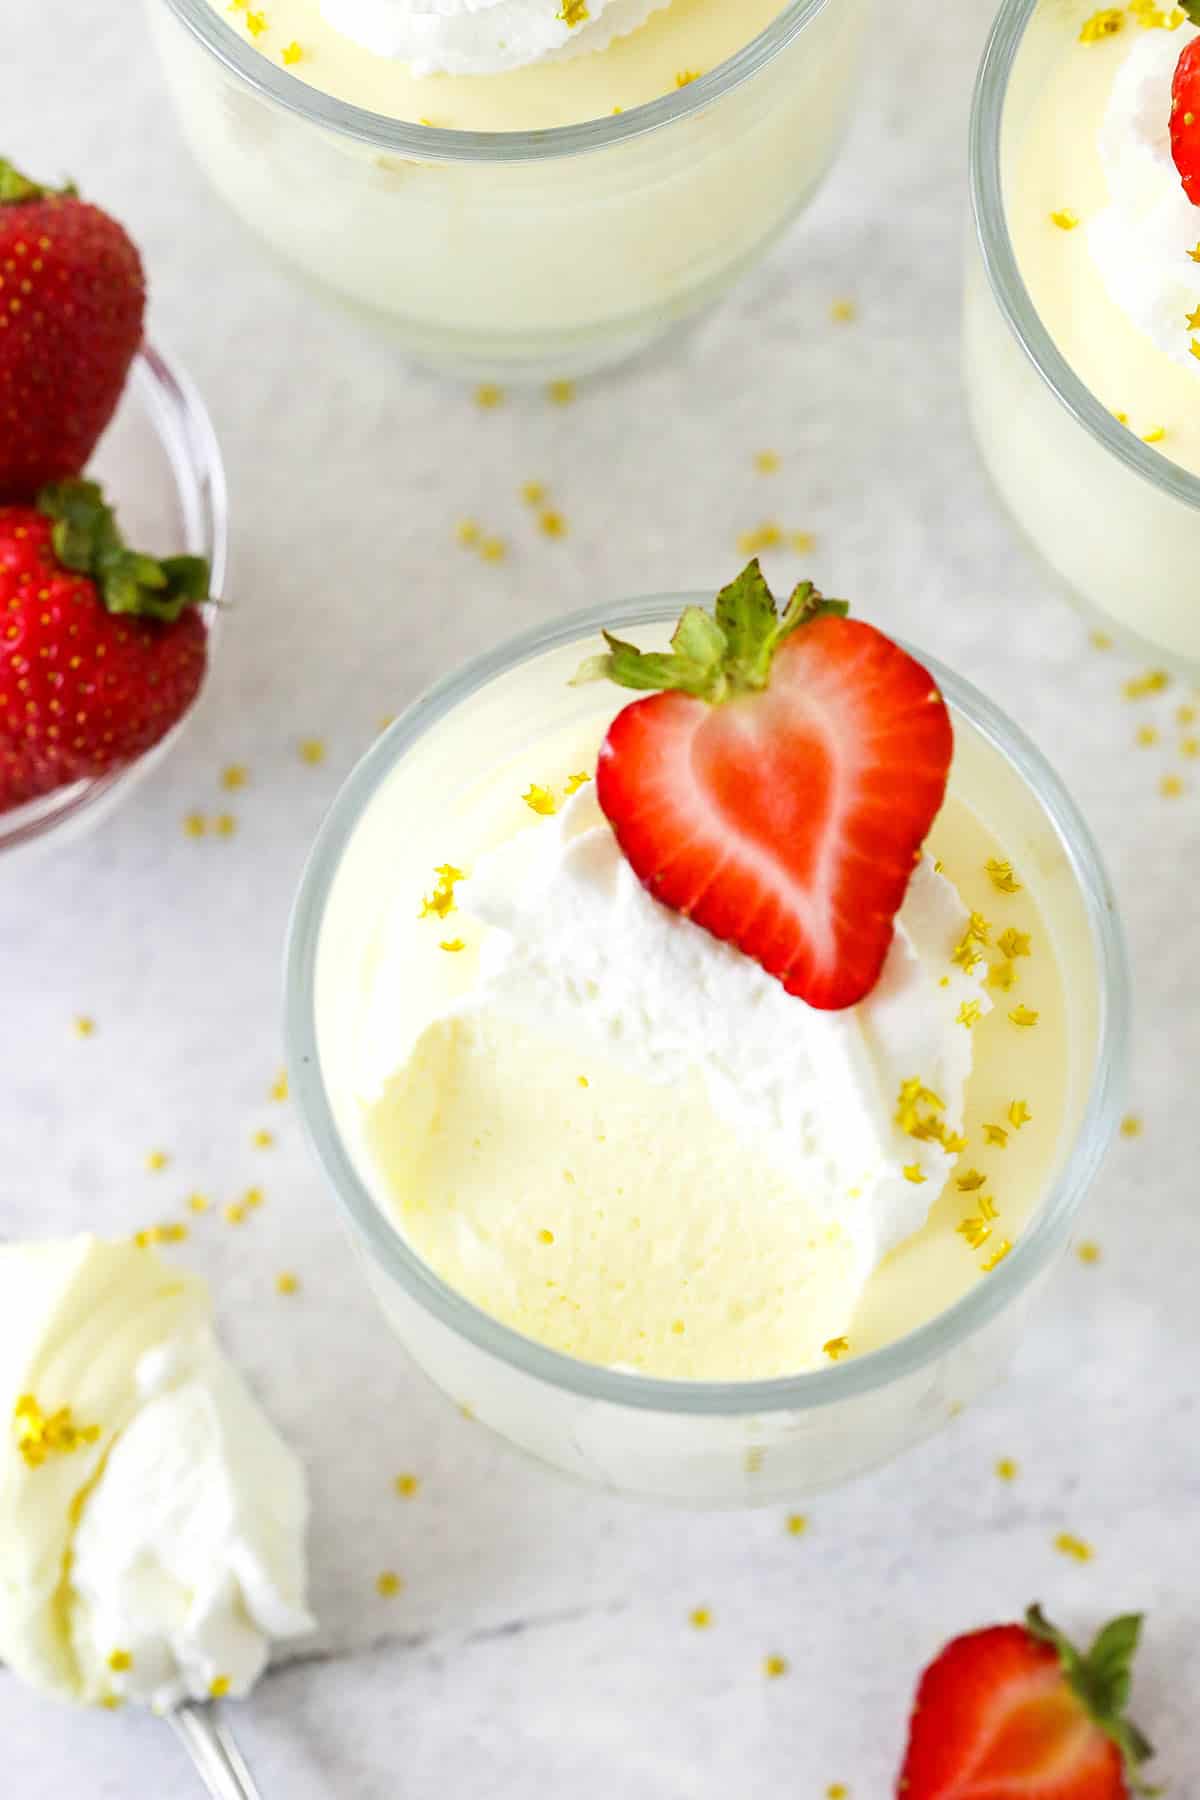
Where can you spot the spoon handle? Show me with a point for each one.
(218, 1761)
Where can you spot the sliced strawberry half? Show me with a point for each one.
(779, 790)
(1017, 1713)
(1185, 114)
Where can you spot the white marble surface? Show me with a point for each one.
(542, 1642)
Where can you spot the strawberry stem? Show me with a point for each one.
(1101, 1681)
(86, 539)
(17, 189)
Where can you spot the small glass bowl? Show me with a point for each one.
(160, 466)
(695, 1442)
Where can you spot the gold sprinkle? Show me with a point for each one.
(1102, 25)
(1195, 254)
(119, 1661)
(1014, 943)
(156, 1161)
(219, 1686)
(998, 1255)
(194, 824)
(966, 954)
(467, 532)
(388, 1584)
(1019, 1114)
(843, 312)
(836, 1348)
(234, 1212)
(110, 1702)
(766, 462)
(291, 54)
(286, 1282)
(915, 1173)
(1007, 1469)
(573, 13)
(970, 1182)
(41, 1435)
(1185, 715)
(801, 542)
(551, 523)
(700, 1618)
(685, 77)
(766, 536)
(312, 751)
(199, 1203)
(1131, 1126)
(1170, 787)
(407, 1486)
(453, 945)
(1067, 1544)
(545, 1236)
(1155, 436)
(575, 782)
(582, 1080)
(969, 1014)
(1065, 220)
(256, 23)
(225, 825)
(976, 1231)
(1002, 876)
(253, 1198)
(263, 1140)
(1088, 1252)
(493, 549)
(837, 1790)
(1024, 1016)
(441, 901)
(540, 800)
(995, 1134)
(279, 1087)
(84, 1026)
(797, 1524)
(1189, 746)
(488, 396)
(678, 1327)
(533, 493)
(1194, 348)
(1152, 682)
(774, 1667)
(561, 393)
(1101, 639)
(234, 776)
(1002, 975)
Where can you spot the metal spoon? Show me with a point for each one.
(210, 1744)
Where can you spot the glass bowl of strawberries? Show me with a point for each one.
(104, 647)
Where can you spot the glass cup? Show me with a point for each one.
(160, 465)
(710, 1443)
(1117, 523)
(521, 255)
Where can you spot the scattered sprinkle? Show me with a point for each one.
(843, 312)
(976, 1231)
(1185, 715)
(1019, 1114)
(41, 1435)
(1024, 1016)
(801, 542)
(407, 1486)
(700, 1618)
(1155, 436)
(970, 1182)
(279, 1087)
(198, 1203)
(915, 1173)
(467, 532)
(493, 549)
(969, 1014)
(1067, 1544)
(156, 1161)
(253, 1198)
(234, 776)
(195, 824)
(441, 901)
(1101, 639)
(1002, 876)
(291, 54)
(998, 1255)
(540, 800)
(837, 1790)
(545, 1235)
(1153, 681)
(1131, 1126)
(219, 1686)
(582, 1080)
(1065, 220)
(766, 462)
(1102, 25)
(256, 23)
(1002, 975)
(774, 1667)
(1014, 943)
(84, 1026)
(561, 393)
(225, 825)
(551, 523)
(119, 1661)
(388, 1584)
(312, 751)
(287, 1283)
(797, 1524)
(1007, 1469)
(575, 782)
(995, 1134)
(263, 1140)
(452, 945)
(533, 493)
(1170, 787)
(1189, 746)
(1088, 1252)
(110, 1702)
(685, 77)
(234, 1212)
(836, 1348)
(763, 537)
(488, 396)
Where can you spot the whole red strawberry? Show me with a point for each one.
(1017, 1713)
(72, 301)
(101, 649)
(779, 790)
(1185, 114)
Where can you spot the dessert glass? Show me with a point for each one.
(521, 255)
(711, 1443)
(160, 465)
(1117, 523)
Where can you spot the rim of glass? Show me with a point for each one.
(812, 1388)
(1004, 275)
(189, 443)
(435, 143)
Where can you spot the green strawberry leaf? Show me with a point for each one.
(1102, 1681)
(747, 616)
(1192, 9)
(86, 538)
(17, 189)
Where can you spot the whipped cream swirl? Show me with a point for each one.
(1141, 242)
(484, 37)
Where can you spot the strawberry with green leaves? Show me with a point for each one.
(779, 780)
(102, 649)
(1017, 1713)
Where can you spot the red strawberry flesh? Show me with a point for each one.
(1185, 120)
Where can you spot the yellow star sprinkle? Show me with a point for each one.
(966, 954)
(969, 1014)
(1014, 943)
(199, 1203)
(388, 1584)
(234, 1212)
(453, 945)
(291, 54)
(256, 23)
(467, 532)
(1067, 1544)
(1101, 25)
(1024, 1016)
(85, 1027)
(1170, 787)
(583, 1081)
(1002, 876)
(1152, 682)
(1193, 320)
(540, 800)
(545, 1236)
(407, 1486)
(1189, 746)
(195, 824)
(766, 462)
(970, 1182)
(488, 396)
(976, 1231)
(837, 1790)
(1002, 975)
(915, 1173)
(225, 825)
(493, 549)
(801, 542)
(156, 1161)
(1131, 1126)
(836, 1348)
(843, 312)
(312, 751)
(253, 1197)
(575, 782)
(998, 1255)
(561, 393)
(1088, 1252)
(700, 1618)
(763, 537)
(219, 1686)
(119, 1661)
(1006, 1469)
(685, 77)
(797, 1524)
(1019, 1114)
(441, 900)
(234, 776)
(1185, 715)
(551, 523)
(533, 492)
(774, 1667)
(978, 928)
(995, 1134)
(40, 1435)
(1195, 254)
(110, 1702)
(1101, 639)
(279, 1087)
(286, 1282)
(263, 1140)
(1195, 347)
(1065, 220)
(1155, 436)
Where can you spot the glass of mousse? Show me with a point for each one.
(1082, 323)
(709, 1077)
(516, 189)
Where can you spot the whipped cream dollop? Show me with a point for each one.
(580, 952)
(152, 1536)
(483, 37)
(1140, 242)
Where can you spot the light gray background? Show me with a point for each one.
(542, 1643)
